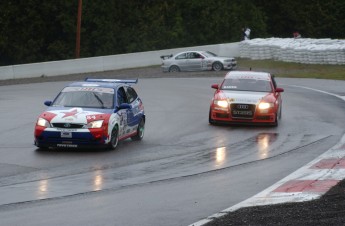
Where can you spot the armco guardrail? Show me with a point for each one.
(105, 63)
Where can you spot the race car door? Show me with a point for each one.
(182, 61)
(195, 61)
(133, 115)
(125, 114)
(131, 119)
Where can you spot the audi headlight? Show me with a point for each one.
(95, 124)
(221, 103)
(264, 105)
(43, 122)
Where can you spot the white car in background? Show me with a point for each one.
(197, 61)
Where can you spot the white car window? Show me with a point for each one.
(181, 56)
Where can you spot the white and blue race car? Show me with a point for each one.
(91, 113)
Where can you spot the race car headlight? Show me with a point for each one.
(95, 124)
(265, 105)
(221, 103)
(43, 122)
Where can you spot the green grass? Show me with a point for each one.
(294, 70)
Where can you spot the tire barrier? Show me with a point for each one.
(297, 50)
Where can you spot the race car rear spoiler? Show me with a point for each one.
(163, 57)
(135, 81)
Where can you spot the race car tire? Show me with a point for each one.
(42, 148)
(217, 66)
(275, 123)
(174, 68)
(278, 117)
(114, 140)
(39, 147)
(140, 131)
(210, 120)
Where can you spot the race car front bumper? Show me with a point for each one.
(60, 139)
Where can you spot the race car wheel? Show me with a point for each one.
(278, 117)
(174, 68)
(39, 147)
(275, 124)
(210, 120)
(42, 148)
(140, 130)
(217, 66)
(280, 112)
(114, 140)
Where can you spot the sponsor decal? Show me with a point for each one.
(67, 145)
(89, 88)
(230, 87)
(66, 130)
(245, 100)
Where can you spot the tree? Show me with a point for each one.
(36, 31)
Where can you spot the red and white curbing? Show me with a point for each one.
(307, 183)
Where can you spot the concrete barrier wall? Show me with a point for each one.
(306, 51)
(106, 63)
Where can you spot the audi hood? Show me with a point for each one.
(243, 97)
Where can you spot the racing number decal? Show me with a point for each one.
(123, 121)
(90, 117)
(203, 64)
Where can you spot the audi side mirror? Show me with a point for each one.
(215, 86)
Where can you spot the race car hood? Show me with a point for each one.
(75, 115)
(243, 97)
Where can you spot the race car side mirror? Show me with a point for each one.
(215, 86)
(279, 90)
(47, 103)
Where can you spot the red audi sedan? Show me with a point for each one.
(246, 97)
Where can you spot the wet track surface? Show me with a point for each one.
(182, 171)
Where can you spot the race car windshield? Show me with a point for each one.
(252, 85)
(87, 99)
